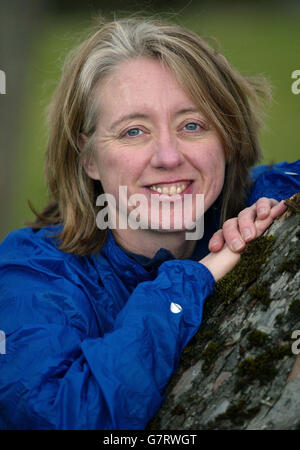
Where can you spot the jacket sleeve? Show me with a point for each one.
(52, 376)
(278, 181)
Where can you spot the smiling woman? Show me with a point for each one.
(227, 102)
(96, 319)
(162, 155)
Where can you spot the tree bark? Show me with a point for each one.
(242, 369)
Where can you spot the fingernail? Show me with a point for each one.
(246, 233)
(236, 244)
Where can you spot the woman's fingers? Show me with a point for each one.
(232, 235)
(276, 210)
(221, 261)
(247, 218)
(246, 226)
(263, 207)
(235, 232)
(250, 223)
(216, 242)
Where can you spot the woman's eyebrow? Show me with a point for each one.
(128, 117)
(136, 115)
(186, 111)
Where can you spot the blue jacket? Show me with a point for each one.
(91, 342)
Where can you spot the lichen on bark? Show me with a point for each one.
(239, 371)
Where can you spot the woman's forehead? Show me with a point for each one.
(141, 87)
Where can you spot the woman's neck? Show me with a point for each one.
(148, 242)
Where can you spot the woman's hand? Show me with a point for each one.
(227, 243)
(250, 223)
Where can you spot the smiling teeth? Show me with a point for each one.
(171, 190)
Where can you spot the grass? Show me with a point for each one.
(255, 41)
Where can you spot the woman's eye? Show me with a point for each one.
(133, 132)
(192, 126)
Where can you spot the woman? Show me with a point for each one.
(95, 320)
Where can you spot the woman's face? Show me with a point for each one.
(153, 139)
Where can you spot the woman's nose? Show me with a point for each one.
(166, 154)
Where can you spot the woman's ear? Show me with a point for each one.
(88, 161)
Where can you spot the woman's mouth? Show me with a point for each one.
(171, 188)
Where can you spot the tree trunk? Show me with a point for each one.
(242, 369)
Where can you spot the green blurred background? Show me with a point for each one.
(258, 37)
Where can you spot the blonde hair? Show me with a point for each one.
(229, 100)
